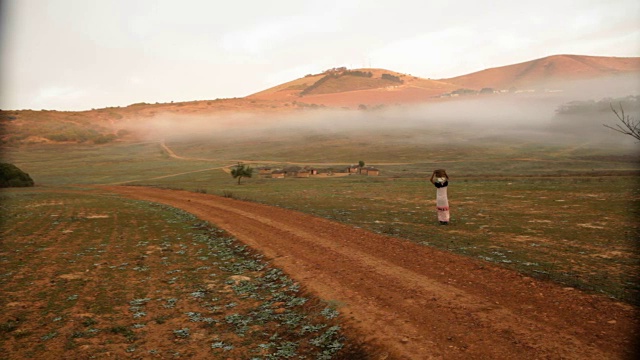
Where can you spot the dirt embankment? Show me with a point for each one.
(415, 302)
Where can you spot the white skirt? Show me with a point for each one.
(442, 204)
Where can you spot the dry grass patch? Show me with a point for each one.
(146, 281)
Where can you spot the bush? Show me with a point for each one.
(392, 78)
(123, 132)
(463, 92)
(367, 74)
(630, 103)
(12, 176)
(103, 139)
(318, 83)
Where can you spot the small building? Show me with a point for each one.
(277, 174)
(353, 169)
(292, 171)
(263, 170)
(303, 173)
(370, 171)
(311, 170)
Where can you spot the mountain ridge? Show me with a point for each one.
(538, 73)
(337, 88)
(553, 67)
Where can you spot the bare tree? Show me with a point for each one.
(629, 126)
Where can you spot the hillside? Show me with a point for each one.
(334, 88)
(100, 126)
(340, 88)
(350, 88)
(551, 69)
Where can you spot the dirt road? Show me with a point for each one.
(415, 302)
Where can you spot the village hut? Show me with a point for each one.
(370, 171)
(292, 171)
(277, 174)
(311, 170)
(264, 170)
(303, 173)
(353, 169)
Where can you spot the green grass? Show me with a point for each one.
(554, 213)
(54, 165)
(567, 213)
(579, 231)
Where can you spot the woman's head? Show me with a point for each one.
(440, 172)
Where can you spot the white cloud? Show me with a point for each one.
(52, 96)
(255, 40)
(428, 53)
(135, 80)
(123, 52)
(273, 35)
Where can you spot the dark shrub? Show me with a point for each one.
(392, 78)
(11, 176)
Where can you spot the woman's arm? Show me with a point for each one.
(432, 176)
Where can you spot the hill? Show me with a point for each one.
(549, 70)
(349, 88)
(333, 88)
(340, 87)
(101, 126)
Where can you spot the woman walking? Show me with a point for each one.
(440, 179)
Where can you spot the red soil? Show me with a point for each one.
(549, 69)
(415, 302)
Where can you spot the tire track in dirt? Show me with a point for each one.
(173, 154)
(416, 302)
(406, 281)
(41, 224)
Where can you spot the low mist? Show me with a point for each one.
(523, 117)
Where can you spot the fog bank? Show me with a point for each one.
(528, 117)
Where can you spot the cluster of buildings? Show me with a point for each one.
(484, 91)
(307, 171)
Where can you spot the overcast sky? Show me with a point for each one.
(83, 54)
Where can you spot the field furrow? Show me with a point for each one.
(415, 301)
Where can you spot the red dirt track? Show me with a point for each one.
(414, 302)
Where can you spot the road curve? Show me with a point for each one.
(415, 302)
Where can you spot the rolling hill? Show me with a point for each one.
(549, 70)
(341, 88)
(349, 88)
(333, 88)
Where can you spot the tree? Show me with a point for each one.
(361, 165)
(241, 171)
(392, 78)
(12, 176)
(629, 126)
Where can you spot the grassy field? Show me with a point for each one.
(580, 231)
(564, 212)
(54, 165)
(92, 275)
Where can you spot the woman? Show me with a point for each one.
(440, 179)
